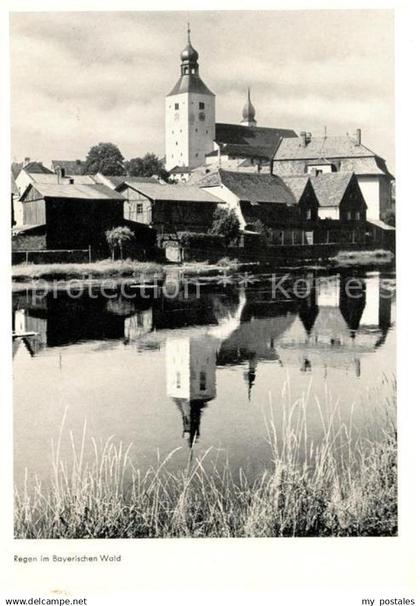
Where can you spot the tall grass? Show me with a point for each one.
(98, 269)
(341, 486)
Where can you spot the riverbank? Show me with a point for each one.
(344, 486)
(363, 258)
(115, 272)
(28, 276)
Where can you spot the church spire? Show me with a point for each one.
(189, 56)
(248, 112)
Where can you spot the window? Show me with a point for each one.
(201, 105)
(309, 214)
(176, 105)
(357, 216)
(203, 381)
(178, 380)
(139, 208)
(349, 215)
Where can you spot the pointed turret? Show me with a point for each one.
(248, 112)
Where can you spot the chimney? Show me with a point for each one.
(358, 136)
(61, 173)
(26, 162)
(305, 138)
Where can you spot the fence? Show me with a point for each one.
(74, 255)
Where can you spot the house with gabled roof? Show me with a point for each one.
(69, 168)
(31, 172)
(339, 197)
(334, 154)
(263, 199)
(168, 207)
(68, 216)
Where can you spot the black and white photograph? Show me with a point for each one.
(203, 277)
(202, 228)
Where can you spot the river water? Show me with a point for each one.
(200, 371)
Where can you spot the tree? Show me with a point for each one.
(226, 224)
(388, 217)
(118, 236)
(148, 166)
(260, 228)
(105, 158)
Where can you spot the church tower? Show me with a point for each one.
(189, 115)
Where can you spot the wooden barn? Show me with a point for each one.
(168, 208)
(74, 216)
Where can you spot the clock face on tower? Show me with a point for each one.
(202, 116)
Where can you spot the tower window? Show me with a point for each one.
(178, 380)
(176, 105)
(201, 105)
(203, 381)
(176, 142)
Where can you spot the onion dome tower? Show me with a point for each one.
(189, 115)
(248, 112)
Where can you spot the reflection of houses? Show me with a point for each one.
(138, 324)
(262, 322)
(337, 337)
(60, 320)
(191, 378)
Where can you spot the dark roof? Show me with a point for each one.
(16, 168)
(252, 187)
(171, 193)
(37, 168)
(75, 191)
(190, 83)
(13, 187)
(297, 185)
(179, 170)
(322, 149)
(116, 181)
(331, 187)
(250, 141)
(71, 167)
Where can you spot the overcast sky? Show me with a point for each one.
(82, 78)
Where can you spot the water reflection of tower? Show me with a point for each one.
(191, 379)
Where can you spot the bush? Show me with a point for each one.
(226, 225)
(200, 240)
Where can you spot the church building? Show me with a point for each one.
(190, 115)
(193, 139)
